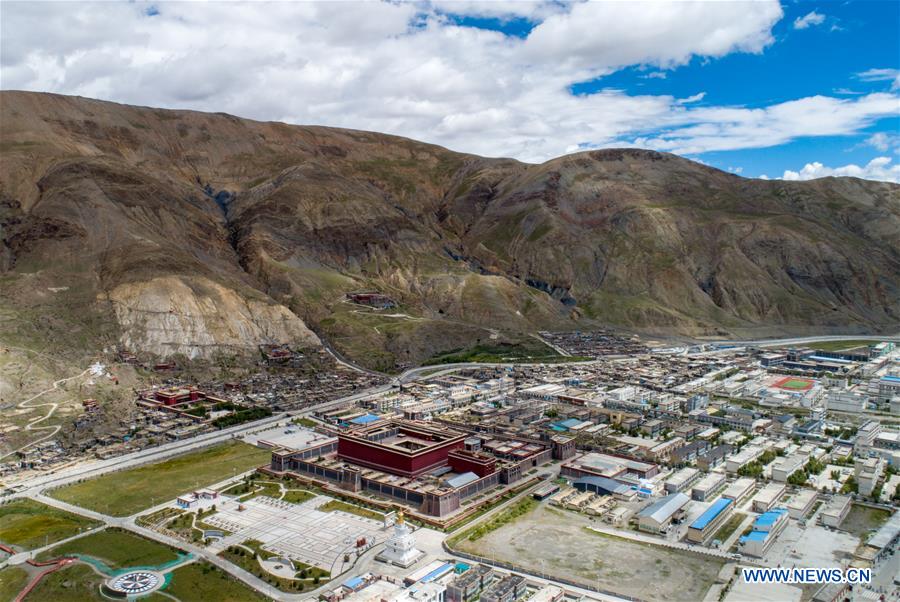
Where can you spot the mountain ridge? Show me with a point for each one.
(290, 218)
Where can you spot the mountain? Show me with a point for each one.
(180, 232)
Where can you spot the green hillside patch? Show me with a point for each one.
(502, 353)
(130, 491)
(29, 524)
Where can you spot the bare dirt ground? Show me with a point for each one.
(556, 541)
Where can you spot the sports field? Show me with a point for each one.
(130, 491)
(795, 384)
(29, 524)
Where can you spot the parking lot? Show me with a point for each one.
(298, 531)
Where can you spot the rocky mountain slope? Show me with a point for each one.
(193, 233)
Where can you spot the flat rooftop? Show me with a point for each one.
(294, 438)
(404, 436)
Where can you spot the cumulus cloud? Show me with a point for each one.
(411, 69)
(879, 168)
(808, 20)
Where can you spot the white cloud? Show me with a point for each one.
(704, 129)
(408, 69)
(879, 168)
(882, 75)
(693, 98)
(884, 141)
(808, 20)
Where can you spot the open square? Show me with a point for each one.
(300, 532)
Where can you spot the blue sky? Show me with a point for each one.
(840, 41)
(780, 89)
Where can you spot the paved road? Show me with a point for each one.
(804, 340)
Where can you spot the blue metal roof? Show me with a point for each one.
(569, 423)
(767, 519)
(353, 582)
(893, 379)
(436, 573)
(836, 360)
(365, 419)
(755, 536)
(711, 513)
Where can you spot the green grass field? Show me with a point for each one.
(117, 549)
(12, 580)
(337, 505)
(130, 491)
(29, 524)
(201, 581)
(298, 496)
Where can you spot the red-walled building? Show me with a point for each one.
(462, 460)
(178, 395)
(399, 447)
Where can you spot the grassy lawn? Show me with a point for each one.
(117, 549)
(12, 580)
(729, 527)
(508, 515)
(75, 583)
(247, 561)
(29, 524)
(130, 491)
(337, 505)
(202, 581)
(298, 496)
(158, 518)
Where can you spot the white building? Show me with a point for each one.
(707, 486)
(867, 473)
(747, 455)
(800, 505)
(784, 467)
(739, 490)
(768, 496)
(851, 402)
(835, 511)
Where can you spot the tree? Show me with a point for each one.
(798, 478)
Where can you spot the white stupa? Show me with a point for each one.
(400, 549)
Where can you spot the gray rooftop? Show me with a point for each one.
(663, 509)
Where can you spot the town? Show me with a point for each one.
(603, 478)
